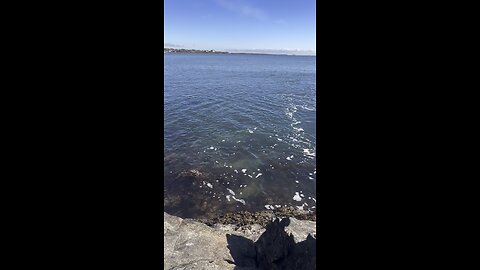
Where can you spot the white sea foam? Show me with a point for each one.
(244, 170)
(231, 191)
(297, 197)
(258, 175)
(239, 200)
(308, 109)
(308, 152)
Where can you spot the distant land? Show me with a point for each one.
(172, 50)
(176, 50)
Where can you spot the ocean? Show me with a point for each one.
(239, 133)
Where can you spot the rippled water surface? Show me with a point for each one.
(240, 133)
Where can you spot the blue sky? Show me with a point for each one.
(285, 26)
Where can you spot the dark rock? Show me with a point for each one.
(189, 244)
(274, 246)
(242, 250)
(275, 249)
(304, 255)
(243, 218)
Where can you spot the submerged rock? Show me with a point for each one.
(195, 173)
(262, 218)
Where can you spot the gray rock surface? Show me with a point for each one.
(189, 244)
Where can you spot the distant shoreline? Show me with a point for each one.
(172, 50)
(191, 51)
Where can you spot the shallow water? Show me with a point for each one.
(240, 133)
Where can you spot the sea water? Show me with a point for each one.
(239, 133)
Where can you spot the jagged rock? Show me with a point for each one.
(192, 245)
(274, 246)
(304, 255)
(300, 229)
(276, 249)
(189, 244)
(242, 250)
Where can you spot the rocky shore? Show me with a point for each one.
(263, 240)
(262, 218)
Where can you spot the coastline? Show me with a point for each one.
(286, 243)
(192, 51)
(262, 218)
(173, 50)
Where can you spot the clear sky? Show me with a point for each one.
(285, 26)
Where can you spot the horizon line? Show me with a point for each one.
(253, 51)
